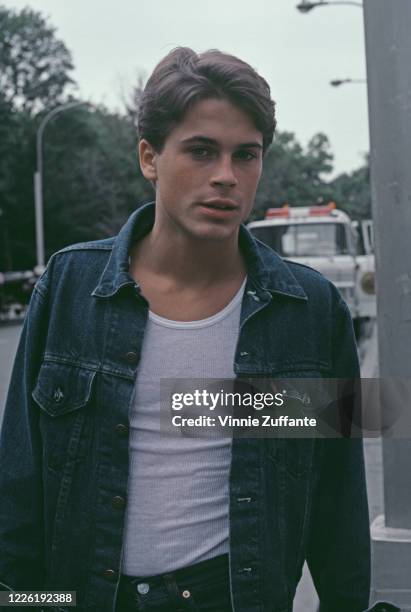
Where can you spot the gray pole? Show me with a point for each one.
(306, 6)
(38, 209)
(388, 48)
(38, 179)
(338, 82)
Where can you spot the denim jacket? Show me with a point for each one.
(64, 445)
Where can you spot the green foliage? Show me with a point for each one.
(91, 178)
(93, 154)
(91, 182)
(293, 175)
(296, 176)
(352, 192)
(34, 64)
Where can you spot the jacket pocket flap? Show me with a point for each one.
(62, 388)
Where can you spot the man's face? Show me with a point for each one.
(207, 173)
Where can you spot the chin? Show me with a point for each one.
(216, 234)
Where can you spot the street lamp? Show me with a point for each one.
(338, 82)
(306, 6)
(38, 179)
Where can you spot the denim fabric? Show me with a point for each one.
(203, 587)
(64, 443)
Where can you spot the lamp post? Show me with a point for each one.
(388, 49)
(38, 179)
(306, 6)
(338, 82)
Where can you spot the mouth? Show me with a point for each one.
(220, 204)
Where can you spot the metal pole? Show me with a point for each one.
(305, 6)
(38, 179)
(338, 82)
(38, 204)
(388, 48)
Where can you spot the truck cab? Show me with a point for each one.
(326, 239)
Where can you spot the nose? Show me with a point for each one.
(223, 174)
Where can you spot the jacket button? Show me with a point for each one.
(58, 395)
(118, 502)
(109, 574)
(121, 429)
(131, 356)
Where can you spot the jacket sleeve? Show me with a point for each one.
(338, 552)
(22, 563)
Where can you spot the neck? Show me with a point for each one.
(189, 261)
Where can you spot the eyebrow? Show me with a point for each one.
(213, 142)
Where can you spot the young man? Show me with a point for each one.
(94, 499)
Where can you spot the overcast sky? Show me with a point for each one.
(113, 42)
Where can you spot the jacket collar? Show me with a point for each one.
(265, 269)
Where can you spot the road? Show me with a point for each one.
(9, 337)
(306, 599)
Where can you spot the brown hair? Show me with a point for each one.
(184, 77)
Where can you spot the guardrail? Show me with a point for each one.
(15, 291)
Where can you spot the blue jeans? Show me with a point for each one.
(203, 587)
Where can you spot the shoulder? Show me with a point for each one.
(319, 292)
(305, 274)
(85, 260)
(312, 281)
(95, 245)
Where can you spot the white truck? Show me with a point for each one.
(326, 239)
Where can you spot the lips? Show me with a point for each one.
(220, 204)
(218, 211)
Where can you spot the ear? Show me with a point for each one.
(147, 156)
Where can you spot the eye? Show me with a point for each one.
(201, 152)
(245, 155)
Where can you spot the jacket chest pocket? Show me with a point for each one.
(64, 395)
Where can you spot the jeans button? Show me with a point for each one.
(121, 429)
(118, 502)
(110, 575)
(186, 594)
(143, 588)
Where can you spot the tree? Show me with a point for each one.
(16, 192)
(296, 176)
(293, 175)
(34, 64)
(92, 152)
(352, 191)
(34, 76)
